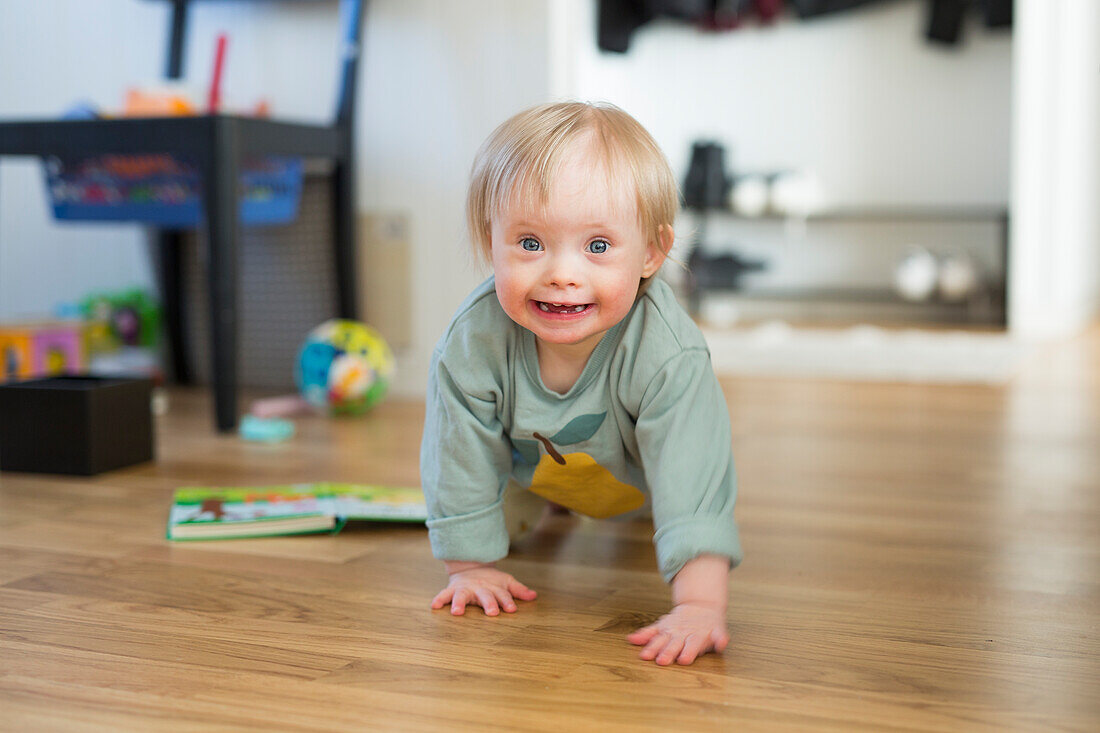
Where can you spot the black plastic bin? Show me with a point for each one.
(75, 424)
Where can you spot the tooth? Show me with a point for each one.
(578, 309)
(544, 307)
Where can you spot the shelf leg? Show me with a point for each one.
(221, 176)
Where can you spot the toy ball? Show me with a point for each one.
(915, 275)
(958, 278)
(796, 194)
(750, 196)
(344, 367)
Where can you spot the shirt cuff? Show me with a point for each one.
(680, 542)
(475, 537)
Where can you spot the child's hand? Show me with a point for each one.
(688, 631)
(485, 586)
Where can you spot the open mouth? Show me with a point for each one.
(563, 309)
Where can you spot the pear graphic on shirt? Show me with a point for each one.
(575, 480)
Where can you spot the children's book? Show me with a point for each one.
(203, 513)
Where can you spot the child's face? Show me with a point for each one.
(569, 271)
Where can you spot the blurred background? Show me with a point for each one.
(850, 168)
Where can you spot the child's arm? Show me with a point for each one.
(464, 459)
(483, 585)
(697, 622)
(684, 437)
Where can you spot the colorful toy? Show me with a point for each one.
(282, 407)
(344, 366)
(59, 349)
(15, 354)
(132, 318)
(266, 430)
(166, 189)
(41, 349)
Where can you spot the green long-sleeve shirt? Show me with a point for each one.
(645, 424)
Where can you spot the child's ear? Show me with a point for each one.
(656, 252)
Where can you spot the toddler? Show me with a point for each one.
(574, 375)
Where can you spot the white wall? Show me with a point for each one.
(883, 117)
(52, 54)
(1056, 186)
(438, 77)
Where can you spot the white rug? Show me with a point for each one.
(866, 353)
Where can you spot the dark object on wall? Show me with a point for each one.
(75, 425)
(721, 272)
(945, 17)
(998, 13)
(945, 20)
(618, 19)
(727, 15)
(707, 186)
(767, 10)
(814, 8)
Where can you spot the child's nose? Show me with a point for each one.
(563, 271)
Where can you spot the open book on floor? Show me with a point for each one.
(202, 513)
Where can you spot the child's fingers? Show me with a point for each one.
(642, 636)
(672, 650)
(719, 638)
(459, 601)
(504, 598)
(442, 598)
(654, 647)
(487, 601)
(520, 591)
(693, 647)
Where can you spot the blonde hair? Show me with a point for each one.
(522, 156)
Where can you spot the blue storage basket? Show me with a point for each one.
(166, 190)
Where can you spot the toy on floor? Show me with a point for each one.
(283, 406)
(132, 318)
(121, 332)
(344, 367)
(266, 429)
(41, 349)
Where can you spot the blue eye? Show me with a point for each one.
(530, 245)
(598, 247)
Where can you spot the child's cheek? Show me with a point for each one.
(511, 297)
(621, 297)
(622, 305)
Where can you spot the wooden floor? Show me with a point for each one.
(918, 558)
